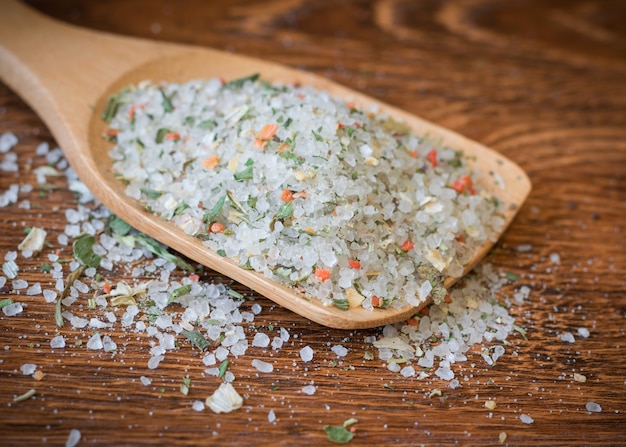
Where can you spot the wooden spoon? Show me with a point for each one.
(66, 74)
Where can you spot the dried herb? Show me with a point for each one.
(5, 302)
(167, 103)
(339, 434)
(27, 395)
(236, 83)
(222, 369)
(177, 293)
(215, 211)
(245, 174)
(110, 111)
(184, 387)
(83, 251)
(197, 339)
(118, 226)
(160, 136)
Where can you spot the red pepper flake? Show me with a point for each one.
(462, 184)
(461, 239)
(133, 108)
(354, 264)
(407, 245)
(194, 278)
(286, 196)
(424, 311)
(172, 136)
(339, 126)
(414, 153)
(322, 274)
(376, 301)
(300, 96)
(432, 157)
(412, 321)
(217, 227)
(107, 287)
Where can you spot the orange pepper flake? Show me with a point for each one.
(286, 196)
(432, 157)
(106, 288)
(407, 245)
(211, 161)
(424, 311)
(194, 278)
(412, 322)
(461, 239)
(172, 136)
(267, 132)
(350, 105)
(354, 264)
(259, 144)
(448, 299)
(300, 96)
(133, 108)
(217, 227)
(282, 147)
(300, 195)
(339, 126)
(376, 301)
(414, 154)
(322, 274)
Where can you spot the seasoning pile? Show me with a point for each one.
(346, 205)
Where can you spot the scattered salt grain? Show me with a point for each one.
(57, 342)
(555, 258)
(95, 342)
(580, 378)
(524, 248)
(7, 141)
(567, 337)
(262, 366)
(225, 399)
(10, 269)
(108, 344)
(154, 361)
(583, 332)
(19, 284)
(340, 350)
(271, 416)
(35, 289)
(256, 308)
(28, 368)
(260, 340)
(593, 407)
(13, 309)
(198, 405)
(408, 371)
(309, 389)
(306, 354)
(526, 419)
(73, 438)
(145, 381)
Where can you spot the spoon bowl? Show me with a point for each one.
(66, 74)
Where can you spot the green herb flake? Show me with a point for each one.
(285, 211)
(513, 277)
(167, 102)
(207, 124)
(341, 304)
(222, 253)
(245, 174)
(215, 211)
(239, 82)
(197, 339)
(222, 369)
(118, 226)
(5, 302)
(317, 136)
(58, 311)
(177, 293)
(339, 434)
(184, 387)
(180, 209)
(161, 251)
(152, 194)
(45, 267)
(160, 136)
(110, 110)
(521, 331)
(234, 294)
(83, 251)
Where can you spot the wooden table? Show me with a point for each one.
(541, 82)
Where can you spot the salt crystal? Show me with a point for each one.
(306, 354)
(260, 340)
(73, 438)
(154, 361)
(262, 366)
(555, 258)
(95, 342)
(593, 407)
(567, 337)
(35, 289)
(198, 405)
(444, 373)
(583, 332)
(309, 389)
(339, 350)
(271, 416)
(526, 419)
(145, 381)
(19, 284)
(7, 141)
(12, 309)
(407, 371)
(524, 248)
(209, 359)
(256, 308)
(108, 344)
(28, 368)
(57, 342)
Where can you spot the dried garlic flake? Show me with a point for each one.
(225, 399)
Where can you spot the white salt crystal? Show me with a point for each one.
(284, 334)
(407, 371)
(260, 340)
(198, 405)
(95, 342)
(209, 359)
(277, 343)
(339, 350)
(256, 308)
(28, 368)
(309, 389)
(526, 419)
(19, 284)
(567, 337)
(154, 361)
(73, 438)
(555, 258)
(583, 332)
(444, 373)
(524, 248)
(57, 342)
(271, 416)
(7, 141)
(306, 354)
(35, 289)
(593, 407)
(221, 353)
(145, 381)
(108, 344)
(12, 309)
(262, 366)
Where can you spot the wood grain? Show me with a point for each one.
(539, 81)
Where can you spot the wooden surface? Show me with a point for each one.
(540, 81)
